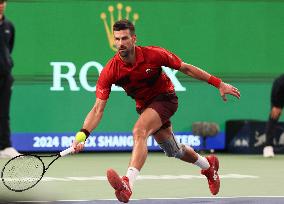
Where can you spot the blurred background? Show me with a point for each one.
(62, 45)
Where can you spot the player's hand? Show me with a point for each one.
(228, 89)
(79, 142)
(78, 146)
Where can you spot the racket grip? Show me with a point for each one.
(67, 151)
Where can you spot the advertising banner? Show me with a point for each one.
(122, 141)
(248, 136)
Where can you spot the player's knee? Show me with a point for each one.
(173, 148)
(139, 133)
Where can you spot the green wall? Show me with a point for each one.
(36, 110)
(240, 41)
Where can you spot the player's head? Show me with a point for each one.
(124, 37)
(2, 7)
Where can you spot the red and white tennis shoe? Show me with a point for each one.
(212, 174)
(120, 185)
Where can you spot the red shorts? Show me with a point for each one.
(165, 105)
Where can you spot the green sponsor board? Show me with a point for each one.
(35, 109)
(61, 47)
(227, 37)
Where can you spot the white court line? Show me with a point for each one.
(213, 198)
(149, 177)
(152, 177)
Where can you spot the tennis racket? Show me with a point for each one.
(25, 171)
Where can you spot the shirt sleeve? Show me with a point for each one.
(169, 59)
(103, 86)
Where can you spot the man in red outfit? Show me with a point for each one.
(138, 70)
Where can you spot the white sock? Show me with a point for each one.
(202, 162)
(132, 174)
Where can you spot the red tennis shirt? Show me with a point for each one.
(143, 80)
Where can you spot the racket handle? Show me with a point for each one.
(67, 151)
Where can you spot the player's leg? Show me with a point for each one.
(151, 119)
(270, 131)
(148, 122)
(6, 150)
(277, 102)
(5, 96)
(172, 148)
(273, 119)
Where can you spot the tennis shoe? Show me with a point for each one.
(268, 151)
(9, 152)
(121, 186)
(212, 174)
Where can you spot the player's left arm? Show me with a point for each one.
(202, 75)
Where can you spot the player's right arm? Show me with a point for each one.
(95, 115)
(92, 120)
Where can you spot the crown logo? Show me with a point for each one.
(108, 26)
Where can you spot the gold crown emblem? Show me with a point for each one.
(108, 27)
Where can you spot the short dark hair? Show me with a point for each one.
(123, 25)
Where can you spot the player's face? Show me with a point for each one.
(124, 42)
(2, 7)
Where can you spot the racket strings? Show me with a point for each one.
(23, 172)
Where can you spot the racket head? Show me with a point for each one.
(22, 172)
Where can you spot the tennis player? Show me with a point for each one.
(138, 71)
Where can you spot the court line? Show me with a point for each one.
(184, 198)
(149, 177)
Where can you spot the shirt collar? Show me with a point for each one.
(139, 54)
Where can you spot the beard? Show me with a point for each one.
(124, 53)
